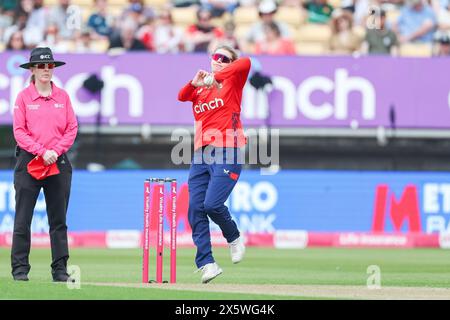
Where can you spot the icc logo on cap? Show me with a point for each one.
(46, 56)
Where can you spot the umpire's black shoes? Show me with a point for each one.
(62, 277)
(20, 277)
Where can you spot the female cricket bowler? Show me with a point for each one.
(45, 126)
(216, 104)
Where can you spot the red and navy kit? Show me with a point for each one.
(218, 136)
(217, 110)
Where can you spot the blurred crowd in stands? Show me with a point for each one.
(284, 27)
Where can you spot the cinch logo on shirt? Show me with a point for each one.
(59, 105)
(33, 106)
(202, 107)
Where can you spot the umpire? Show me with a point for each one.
(44, 125)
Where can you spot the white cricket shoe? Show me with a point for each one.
(237, 250)
(210, 271)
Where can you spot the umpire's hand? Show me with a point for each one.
(50, 157)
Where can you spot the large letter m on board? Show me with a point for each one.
(406, 209)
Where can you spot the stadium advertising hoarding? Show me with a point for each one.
(293, 208)
(329, 92)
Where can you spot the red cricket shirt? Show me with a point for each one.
(44, 123)
(217, 110)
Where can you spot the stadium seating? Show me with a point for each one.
(50, 3)
(313, 33)
(220, 21)
(115, 11)
(184, 16)
(245, 15)
(291, 16)
(416, 50)
(310, 48)
(360, 31)
(81, 3)
(335, 3)
(100, 45)
(86, 13)
(392, 16)
(309, 39)
(241, 31)
(157, 4)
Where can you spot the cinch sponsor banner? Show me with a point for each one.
(142, 88)
(293, 208)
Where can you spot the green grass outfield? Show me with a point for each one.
(116, 273)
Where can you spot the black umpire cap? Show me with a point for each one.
(41, 55)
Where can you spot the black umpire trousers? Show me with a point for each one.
(56, 192)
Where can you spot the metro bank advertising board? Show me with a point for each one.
(313, 201)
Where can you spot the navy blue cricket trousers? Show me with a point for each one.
(213, 175)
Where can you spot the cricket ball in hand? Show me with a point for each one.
(208, 80)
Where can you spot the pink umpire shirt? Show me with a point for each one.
(44, 123)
